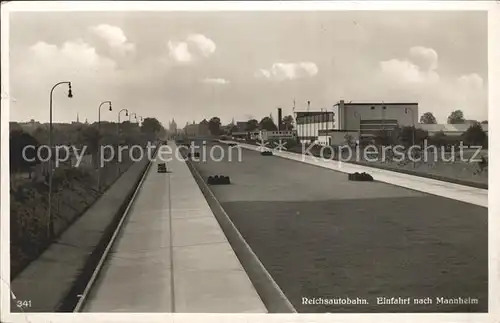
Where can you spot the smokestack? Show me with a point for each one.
(280, 120)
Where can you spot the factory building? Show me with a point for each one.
(353, 121)
(368, 119)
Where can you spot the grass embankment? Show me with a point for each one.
(74, 191)
(459, 171)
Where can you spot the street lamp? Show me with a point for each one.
(359, 127)
(135, 116)
(50, 228)
(412, 131)
(99, 142)
(118, 130)
(119, 112)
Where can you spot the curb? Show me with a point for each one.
(270, 293)
(408, 172)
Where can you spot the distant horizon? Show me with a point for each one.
(166, 125)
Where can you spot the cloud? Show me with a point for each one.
(215, 81)
(419, 69)
(263, 73)
(43, 65)
(74, 58)
(426, 58)
(114, 37)
(404, 71)
(416, 78)
(202, 44)
(179, 52)
(193, 47)
(288, 71)
(471, 81)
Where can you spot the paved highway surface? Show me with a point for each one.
(322, 236)
(171, 255)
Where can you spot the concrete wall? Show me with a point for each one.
(50, 280)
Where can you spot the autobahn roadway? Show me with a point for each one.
(321, 236)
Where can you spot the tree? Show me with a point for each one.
(15, 126)
(18, 141)
(409, 136)
(384, 138)
(267, 124)
(41, 134)
(439, 139)
(475, 135)
(428, 118)
(252, 125)
(151, 126)
(288, 122)
(484, 122)
(214, 126)
(456, 117)
(89, 137)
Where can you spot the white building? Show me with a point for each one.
(310, 123)
(276, 135)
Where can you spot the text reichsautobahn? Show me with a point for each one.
(334, 301)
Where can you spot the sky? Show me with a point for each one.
(242, 65)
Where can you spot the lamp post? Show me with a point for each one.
(412, 131)
(50, 228)
(99, 142)
(118, 132)
(359, 127)
(119, 112)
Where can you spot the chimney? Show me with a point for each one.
(280, 120)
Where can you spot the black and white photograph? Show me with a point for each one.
(301, 161)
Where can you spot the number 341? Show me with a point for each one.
(23, 304)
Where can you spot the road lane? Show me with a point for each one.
(172, 255)
(320, 235)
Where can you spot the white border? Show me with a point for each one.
(493, 8)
